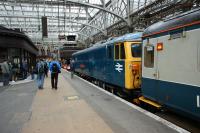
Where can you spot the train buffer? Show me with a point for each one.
(80, 107)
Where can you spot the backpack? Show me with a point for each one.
(55, 68)
(45, 67)
(40, 68)
(14, 66)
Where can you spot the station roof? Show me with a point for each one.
(64, 17)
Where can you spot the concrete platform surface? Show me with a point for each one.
(76, 107)
(60, 111)
(15, 106)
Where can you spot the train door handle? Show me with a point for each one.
(154, 74)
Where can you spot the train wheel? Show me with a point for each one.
(104, 86)
(112, 91)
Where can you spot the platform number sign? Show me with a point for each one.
(118, 67)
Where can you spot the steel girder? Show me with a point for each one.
(77, 3)
(151, 13)
(89, 26)
(104, 19)
(98, 7)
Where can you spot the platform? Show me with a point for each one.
(76, 107)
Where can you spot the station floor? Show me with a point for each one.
(76, 107)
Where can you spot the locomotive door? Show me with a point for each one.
(109, 63)
(150, 74)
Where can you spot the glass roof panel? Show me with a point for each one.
(95, 1)
(27, 14)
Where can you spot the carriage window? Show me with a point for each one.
(149, 56)
(122, 51)
(116, 51)
(136, 50)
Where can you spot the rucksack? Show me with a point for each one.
(55, 68)
(45, 67)
(14, 66)
(41, 67)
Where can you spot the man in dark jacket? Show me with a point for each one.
(24, 69)
(55, 70)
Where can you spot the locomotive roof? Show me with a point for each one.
(127, 37)
(173, 22)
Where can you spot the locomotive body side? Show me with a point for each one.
(98, 63)
(171, 62)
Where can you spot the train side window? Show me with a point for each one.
(122, 51)
(109, 52)
(117, 51)
(149, 56)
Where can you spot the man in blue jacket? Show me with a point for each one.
(55, 70)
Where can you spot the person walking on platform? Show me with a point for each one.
(55, 70)
(46, 69)
(40, 70)
(24, 69)
(15, 71)
(72, 68)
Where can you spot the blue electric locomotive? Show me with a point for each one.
(114, 63)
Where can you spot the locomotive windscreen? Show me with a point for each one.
(71, 38)
(136, 50)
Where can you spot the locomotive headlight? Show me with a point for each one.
(135, 66)
(160, 46)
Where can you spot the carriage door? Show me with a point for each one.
(150, 70)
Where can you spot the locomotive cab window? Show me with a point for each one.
(149, 56)
(122, 51)
(136, 50)
(119, 51)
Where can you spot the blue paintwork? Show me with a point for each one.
(181, 97)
